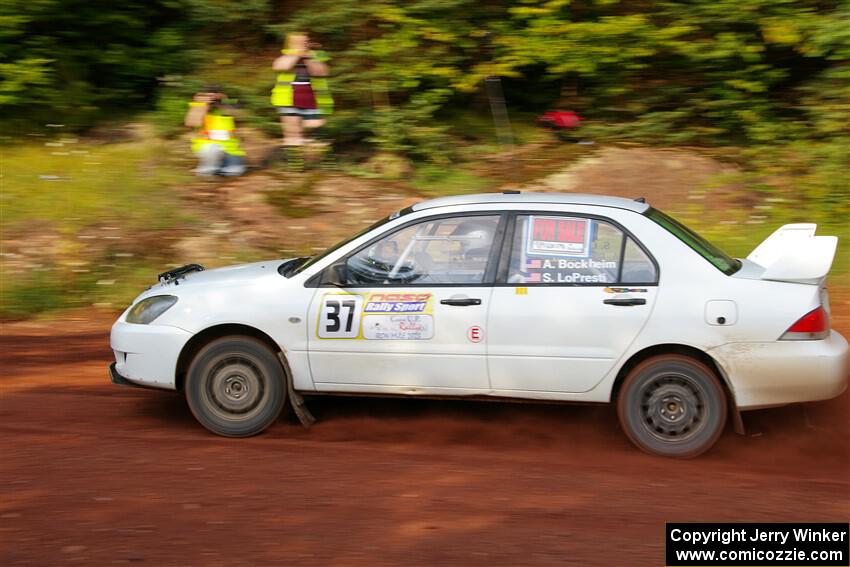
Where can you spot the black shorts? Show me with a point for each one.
(305, 113)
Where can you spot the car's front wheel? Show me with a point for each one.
(673, 406)
(235, 386)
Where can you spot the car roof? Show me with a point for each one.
(531, 198)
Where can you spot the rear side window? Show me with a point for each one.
(636, 265)
(560, 249)
(717, 257)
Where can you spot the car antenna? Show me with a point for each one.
(511, 192)
(641, 199)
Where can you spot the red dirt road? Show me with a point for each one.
(95, 474)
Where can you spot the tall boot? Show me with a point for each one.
(294, 158)
(321, 148)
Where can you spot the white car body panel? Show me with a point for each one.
(777, 373)
(447, 360)
(521, 352)
(147, 354)
(559, 339)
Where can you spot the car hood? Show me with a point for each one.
(227, 276)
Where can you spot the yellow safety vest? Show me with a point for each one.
(218, 129)
(282, 92)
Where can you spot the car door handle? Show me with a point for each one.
(625, 301)
(461, 301)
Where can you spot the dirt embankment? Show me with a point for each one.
(284, 213)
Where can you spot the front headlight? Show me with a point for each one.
(149, 309)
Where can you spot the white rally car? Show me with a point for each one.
(570, 298)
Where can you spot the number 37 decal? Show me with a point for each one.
(387, 316)
(340, 316)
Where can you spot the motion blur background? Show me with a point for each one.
(730, 114)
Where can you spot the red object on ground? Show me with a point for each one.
(560, 119)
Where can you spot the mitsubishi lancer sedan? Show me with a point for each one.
(557, 298)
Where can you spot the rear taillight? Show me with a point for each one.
(811, 326)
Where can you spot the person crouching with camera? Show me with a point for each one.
(215, 144)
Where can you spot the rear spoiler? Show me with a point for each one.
(794, 254)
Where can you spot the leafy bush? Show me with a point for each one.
(67, 61)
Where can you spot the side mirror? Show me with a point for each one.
(337, 274)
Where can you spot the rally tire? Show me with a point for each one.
(236, 387)
(672, 406)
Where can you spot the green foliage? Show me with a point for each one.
(814, 172)
(245, 77)
(708, 71)
(75, 61)
(397, 64)
(69, 59)
(716, 70)
(410, 129)
(435, 181)
(241, 21)
(170, 111)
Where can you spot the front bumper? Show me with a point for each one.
(119, 380)
(785, 372)
(146, 355)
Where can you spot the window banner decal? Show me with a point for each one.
(558, 236)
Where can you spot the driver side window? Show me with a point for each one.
(451, 250)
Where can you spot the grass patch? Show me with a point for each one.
(434, 181)
(477, 127)
(294, 200)
(72, 185)
(83, 223)
(40, 291)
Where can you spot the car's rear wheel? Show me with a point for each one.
(673, 406)
(235, 386)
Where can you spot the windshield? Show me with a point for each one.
(718, 258)
(312, 260)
